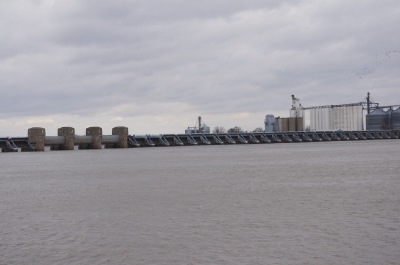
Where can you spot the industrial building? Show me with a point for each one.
(200, 127)
(345, 117)
(291, 124)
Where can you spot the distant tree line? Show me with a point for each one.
(219, 129)
(235, 129)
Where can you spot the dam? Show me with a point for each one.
(67, 139)
(342, 122)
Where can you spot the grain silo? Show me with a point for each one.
(300, 124)
(378, 120)
(283, 124)
(269, 122)
(336, 117)
(396, 119)
(292, 124)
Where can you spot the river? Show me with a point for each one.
(297, 203)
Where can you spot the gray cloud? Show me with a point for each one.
(126, 60)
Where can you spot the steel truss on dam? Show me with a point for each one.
(94, 139)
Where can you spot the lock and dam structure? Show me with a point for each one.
(327, 123)
(67, 139)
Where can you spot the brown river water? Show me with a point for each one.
(298, 203)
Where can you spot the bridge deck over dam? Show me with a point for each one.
(94, 139)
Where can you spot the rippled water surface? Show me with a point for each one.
(305, 203)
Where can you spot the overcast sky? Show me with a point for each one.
(156, 65)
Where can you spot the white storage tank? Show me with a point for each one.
(269, 122)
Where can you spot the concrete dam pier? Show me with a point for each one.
(67, 139)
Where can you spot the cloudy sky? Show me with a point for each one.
(156, 65)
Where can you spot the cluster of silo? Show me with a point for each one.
(321, 118)
(336, 117)
(201, 127)
(291, 124)
(380, 119)
(395, 119)
(348, 117)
